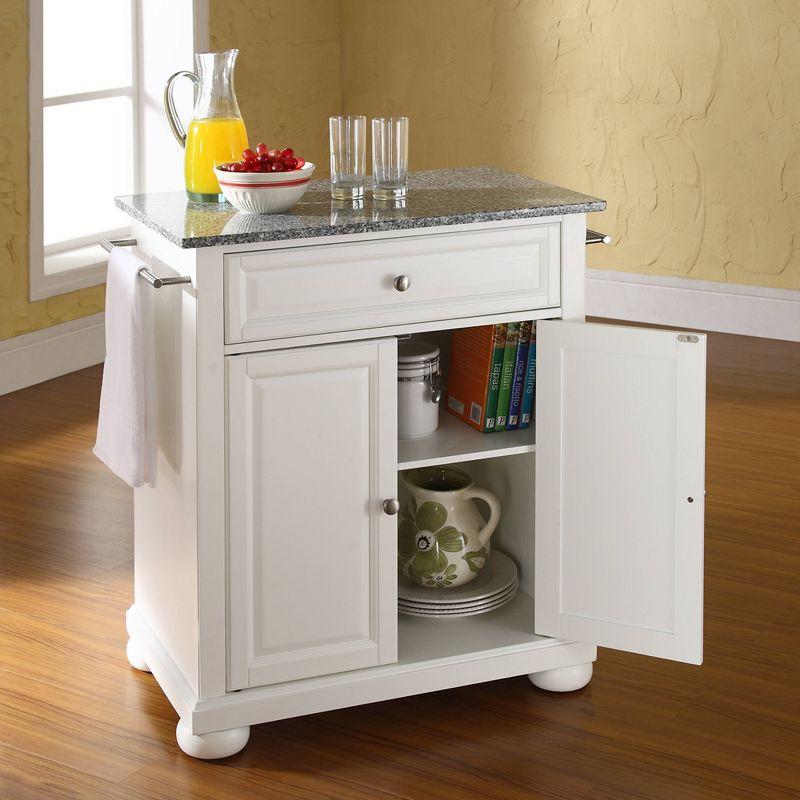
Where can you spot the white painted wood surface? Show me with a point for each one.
(166, 520)
(278, 526)
(619, 487)
(212, 489)
(336, 287)
(455, 442)
(494, 656)
(400, 329)
(573, 266)
(312, 457)
(511, 480)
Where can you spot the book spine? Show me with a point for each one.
(506, 376)
(529, 392)
(468, 378)
(493, 389)
(518, 380)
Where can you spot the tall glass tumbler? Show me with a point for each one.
(348, 156)
(389, 158)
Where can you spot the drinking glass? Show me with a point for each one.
(346, 212)
(348, 156)
(389, 157)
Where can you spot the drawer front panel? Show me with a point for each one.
(337, 287)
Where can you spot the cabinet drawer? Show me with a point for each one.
(337, 287)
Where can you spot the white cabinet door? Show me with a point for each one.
(312, 439)
(620, 443)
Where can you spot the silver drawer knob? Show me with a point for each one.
(391, 506)
(402, 283)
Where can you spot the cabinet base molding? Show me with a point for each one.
(314, 695)
(563, 679)
(219, 744)
(149, 649)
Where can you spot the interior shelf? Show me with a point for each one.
(509, 628)
(455, 442)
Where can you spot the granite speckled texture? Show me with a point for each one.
(435, 198)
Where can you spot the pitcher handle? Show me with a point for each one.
(485, 533)
(169, 104)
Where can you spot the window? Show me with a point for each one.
(92, 106)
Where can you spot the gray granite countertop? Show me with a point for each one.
(436, 197)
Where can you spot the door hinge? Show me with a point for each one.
(688, 337)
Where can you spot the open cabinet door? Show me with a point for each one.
(620, 444)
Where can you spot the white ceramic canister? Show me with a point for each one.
(419, 389)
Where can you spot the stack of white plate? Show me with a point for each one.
(496, 584)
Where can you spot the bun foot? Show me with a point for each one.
(135, 657)
(218, 744)
(564, 679)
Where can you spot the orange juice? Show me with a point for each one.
(210, 142)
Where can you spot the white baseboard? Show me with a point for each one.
(50, 352)
(687, 303)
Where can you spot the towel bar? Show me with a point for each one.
(109, 244)
(595, 237)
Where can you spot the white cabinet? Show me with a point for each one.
(311, 454)
(282, 366)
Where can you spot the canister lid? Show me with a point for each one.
(414, 352)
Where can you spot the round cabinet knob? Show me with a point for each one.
(391, 506)
(402, 283)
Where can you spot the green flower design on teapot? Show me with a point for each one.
(443, 541)
(424, 541)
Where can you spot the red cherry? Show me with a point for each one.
(290, 163)
(261, 149)
(287, 152)
(248, 155)
(276, 166)
(239, 167)
(274, 154)
(300, 162)
(263, 158)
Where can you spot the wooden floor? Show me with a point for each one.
(77, 722)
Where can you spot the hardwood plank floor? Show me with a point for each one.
(77, 722)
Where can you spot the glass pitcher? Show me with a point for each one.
(216, 132)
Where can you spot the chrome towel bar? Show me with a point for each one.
(595, 237)
(109, 244)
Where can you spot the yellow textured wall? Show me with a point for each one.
(288, 70)
(683, 114)
(17, 315)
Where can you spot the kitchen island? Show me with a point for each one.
(266, 554)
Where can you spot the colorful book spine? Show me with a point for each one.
(518, 379)
(529, 392)
(498, 351)
(468, 380)
(507, 376)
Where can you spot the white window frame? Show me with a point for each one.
(90, 260)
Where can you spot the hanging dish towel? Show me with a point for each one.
(126, 428)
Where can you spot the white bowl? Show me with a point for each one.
(264, 192)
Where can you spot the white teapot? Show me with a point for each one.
(443, 541)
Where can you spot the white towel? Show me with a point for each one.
(127, 428)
